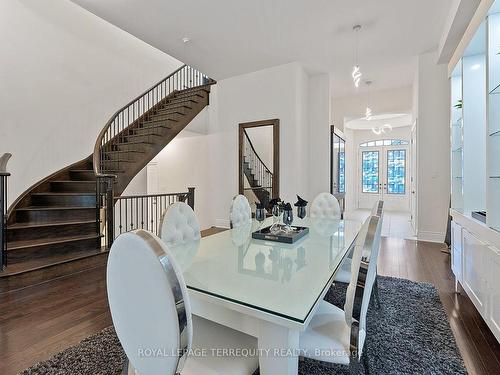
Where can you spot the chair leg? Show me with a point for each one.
(366, 366)
(375, 293)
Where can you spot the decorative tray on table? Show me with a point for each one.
(281, 234)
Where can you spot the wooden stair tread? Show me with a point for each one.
(48, 224)
(15, 245)
(73, 182)
(35, 264)
(123, 152)
(63, 193)
(48, 208)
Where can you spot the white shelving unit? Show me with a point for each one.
(475, 168)
(494, 121)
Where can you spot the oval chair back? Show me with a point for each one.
(240, 213)
(149, 303)
(363, 274)
(325, 206)
(179, 225)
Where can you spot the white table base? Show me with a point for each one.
(273, 333)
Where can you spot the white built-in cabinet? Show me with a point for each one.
(476, 265)
(475, 167)
(474, 269)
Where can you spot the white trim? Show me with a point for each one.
(222, 223)
(431, 236)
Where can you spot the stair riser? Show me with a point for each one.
(82, 175)
(34, 233)
(151, 130)
(19, 255)
(73, 187)
(46, 216)
(64, 200)
(166, 117)
(133, 147)
(144, 138)
(123, 156)
(14, 282)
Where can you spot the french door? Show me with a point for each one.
(383, 175)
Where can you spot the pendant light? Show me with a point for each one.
(356, 72)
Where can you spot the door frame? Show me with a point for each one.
(383, 176)
(275, 123)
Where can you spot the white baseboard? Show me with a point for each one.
(431, 236)
(222, 223)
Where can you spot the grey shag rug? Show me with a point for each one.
(410, 334)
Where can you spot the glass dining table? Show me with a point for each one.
(266, 289)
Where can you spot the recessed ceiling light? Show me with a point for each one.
(475, 66)
(185, 40)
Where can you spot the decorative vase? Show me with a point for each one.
(288, 217)
(260, 214)
(301, 212)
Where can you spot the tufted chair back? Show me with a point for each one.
(325, 206)
(179, 225)
(241, 213)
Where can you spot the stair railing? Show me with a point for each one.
(263, 176)
(3, 210)
(145, 211)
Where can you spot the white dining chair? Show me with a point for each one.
(344, 273)
(325, 206)
(179, 225)
(240, 213)
(340, 334)
(151, 313)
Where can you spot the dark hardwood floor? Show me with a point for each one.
(39, 321)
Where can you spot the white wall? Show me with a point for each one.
(64, 72)
(183, 163)
(318, 129)
(433, 148)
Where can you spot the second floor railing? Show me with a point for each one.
(122, 214)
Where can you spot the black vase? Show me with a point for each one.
(301, 212)
(288, 217)
(260, 214)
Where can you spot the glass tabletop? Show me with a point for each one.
(278, 278)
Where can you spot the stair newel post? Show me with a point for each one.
(3, 219)
(190, 200)
(105, 209)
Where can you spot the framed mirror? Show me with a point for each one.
(258, 172)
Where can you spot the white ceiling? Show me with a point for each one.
(230, 37)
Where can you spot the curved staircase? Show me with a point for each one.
(56, 227)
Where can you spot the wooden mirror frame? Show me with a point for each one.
(275, 123)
